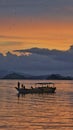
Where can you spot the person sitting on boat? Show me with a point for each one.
(18, 85)
(22, 86)
(47, 86)
(31, 87)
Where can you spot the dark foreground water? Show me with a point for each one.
(37, 111)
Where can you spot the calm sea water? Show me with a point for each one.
(36, 111)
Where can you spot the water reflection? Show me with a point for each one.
(36, 111)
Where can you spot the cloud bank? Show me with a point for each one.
(39, 61)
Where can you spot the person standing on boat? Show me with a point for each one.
(18, 85)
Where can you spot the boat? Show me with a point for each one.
(39, 88)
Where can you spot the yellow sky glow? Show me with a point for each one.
(44, 34)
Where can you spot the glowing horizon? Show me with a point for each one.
(36, 24)
(42, 35)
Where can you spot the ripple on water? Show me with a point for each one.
(37, 111)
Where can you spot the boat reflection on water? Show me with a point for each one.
(39, 88)
(46, 111)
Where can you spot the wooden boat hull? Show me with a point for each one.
(36, 90)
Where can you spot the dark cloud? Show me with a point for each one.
(41, 51)
(40, 61)
(65, 56)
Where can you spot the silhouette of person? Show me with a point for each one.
(22, 86)
(18, 84)
(31, 87)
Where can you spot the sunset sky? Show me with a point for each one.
(41, 23)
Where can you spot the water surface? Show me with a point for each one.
(36, 111)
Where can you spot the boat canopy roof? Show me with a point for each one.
(45, 83)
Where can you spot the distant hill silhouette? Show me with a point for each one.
(59, 77)
(13, 76)
(23, 76)
(41, 77)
